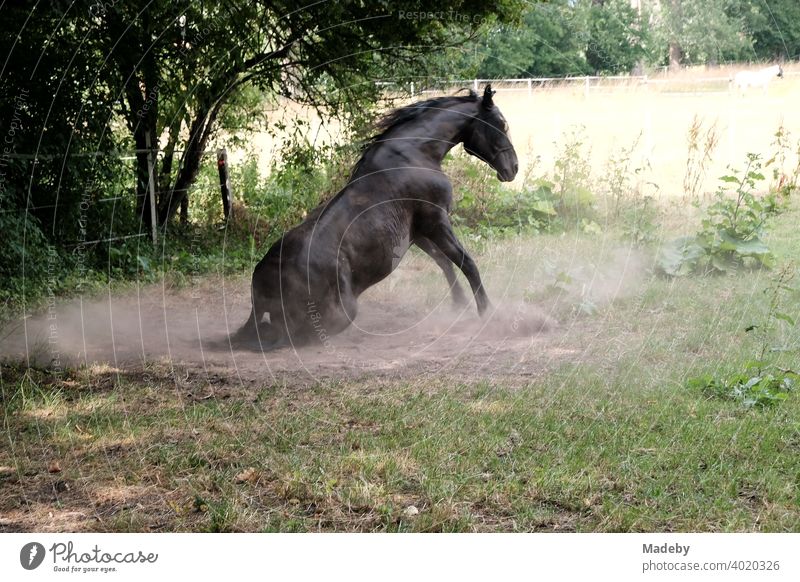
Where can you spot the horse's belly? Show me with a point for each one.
(371, 263)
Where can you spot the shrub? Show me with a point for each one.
(732, 231)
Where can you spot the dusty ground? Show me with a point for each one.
(481, 425)
(406, 327)
(189, 328)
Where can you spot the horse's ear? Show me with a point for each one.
(488, 102)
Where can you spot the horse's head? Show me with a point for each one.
(486, 138)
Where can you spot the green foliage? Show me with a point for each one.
(707, 32)
(785, 164)
(773, 26)
(487, 208)
(561, 200)
(640, 221)
(776, 316)
(84, 81)
(565, 37)
(577, 37)
(732, 231)
(625, 200)
(758, 389)
(572, 181)
(548, 42)
(617, 37)
(54, 204)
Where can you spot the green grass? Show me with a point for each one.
(611, 441)
(581, 451)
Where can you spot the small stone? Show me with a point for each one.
(249, 475)
(410, 511)
(54, 467)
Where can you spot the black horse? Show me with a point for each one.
(309, 281)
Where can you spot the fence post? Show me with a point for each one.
(412, 89)
(586, 87)
(224, 182)
(152, 187)
(475, 85)
(530, 87)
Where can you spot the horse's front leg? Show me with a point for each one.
(439, 230)
(430, 249)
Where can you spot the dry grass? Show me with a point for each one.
(614, 116)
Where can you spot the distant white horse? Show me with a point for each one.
(746, 79)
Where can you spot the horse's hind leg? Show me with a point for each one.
(427, 246)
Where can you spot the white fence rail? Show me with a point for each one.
(588, 83)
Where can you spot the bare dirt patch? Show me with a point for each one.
(189, 328)
(406, 327)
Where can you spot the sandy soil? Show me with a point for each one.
(189, 328)
(406, 327)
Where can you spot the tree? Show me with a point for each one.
(617, 36)
(174, 73)
(701, 32)
(549, 41)
(567, 37)
(54, 118)
(181, 68)
(773, 26)
(99, 77)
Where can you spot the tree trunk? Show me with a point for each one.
(141, 83)
(199, 133)
(165, 174)
(675, 56)
(675, 50)
(142, 182)
(145, 123)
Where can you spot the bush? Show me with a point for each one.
(572, 182)
(553, 202)
(732, 231)
(488, 208)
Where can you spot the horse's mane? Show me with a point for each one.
(402, 115)
(387, 123)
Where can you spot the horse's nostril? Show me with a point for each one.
(516, 167)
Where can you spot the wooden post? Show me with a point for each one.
(224, 182)
(530, 88)
(152, 187)
(475, 85)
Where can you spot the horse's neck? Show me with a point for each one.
(436, 134)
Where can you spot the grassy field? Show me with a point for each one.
(651, 121)
(654, 120)
(607, 437)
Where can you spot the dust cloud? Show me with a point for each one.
(406, 325)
